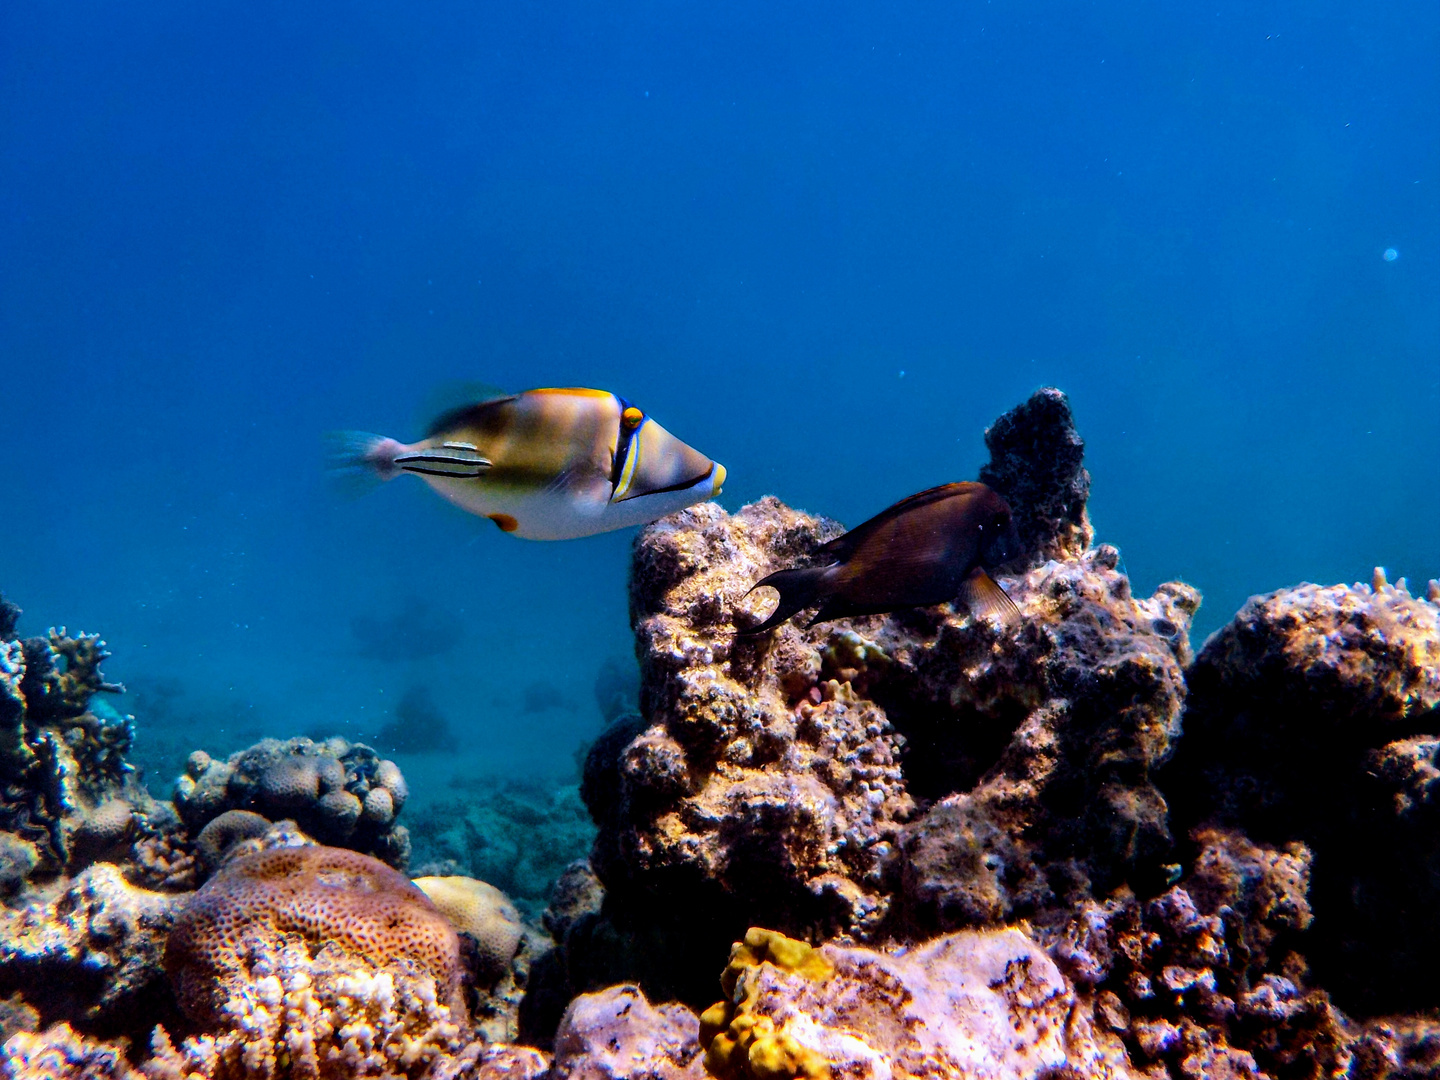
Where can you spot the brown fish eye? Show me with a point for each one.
(631, 417)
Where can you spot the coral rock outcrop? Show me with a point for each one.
(901, 775)
(1314, 717)
(617, 1034)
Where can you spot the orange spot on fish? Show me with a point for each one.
(505, 521)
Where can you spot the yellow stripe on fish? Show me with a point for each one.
(549, 464)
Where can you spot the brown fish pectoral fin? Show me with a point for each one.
(798, 590)
(984, 596)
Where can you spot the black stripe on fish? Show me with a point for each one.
(623, 438)
(461, 461)
(454, 474)
(673, 487)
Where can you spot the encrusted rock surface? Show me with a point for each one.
(1313, 718)
(973, 1004)
(90, 952)
(617, 1034)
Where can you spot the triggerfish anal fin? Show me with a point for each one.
(458, 460)
(983, 595)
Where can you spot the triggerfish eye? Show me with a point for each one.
(631, 417)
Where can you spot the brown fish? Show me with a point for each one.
(928, 549)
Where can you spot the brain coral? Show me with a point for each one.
(323, 897)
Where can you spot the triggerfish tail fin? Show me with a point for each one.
(984, 596)
(798, 590)
(357, 460)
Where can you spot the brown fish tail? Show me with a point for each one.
(799, 589)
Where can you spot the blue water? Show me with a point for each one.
(825, 244)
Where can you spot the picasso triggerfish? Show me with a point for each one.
(550, 464)
(928, 549)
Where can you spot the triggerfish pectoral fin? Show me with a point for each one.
(983, 595)
(798, 590)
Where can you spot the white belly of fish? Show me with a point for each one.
(562, 513)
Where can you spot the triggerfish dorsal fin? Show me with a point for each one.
(798, 590)
(983, 595)
(457, 401)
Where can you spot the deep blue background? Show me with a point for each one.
(226, 228)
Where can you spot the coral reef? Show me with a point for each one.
(1205, 980)
(977, 847)
(498, 950)
(1314, 717)
(482, 913)
(339, 792)
(67, 792)
(333, 899)
(971, 1004)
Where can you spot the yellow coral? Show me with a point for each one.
(743, 1046)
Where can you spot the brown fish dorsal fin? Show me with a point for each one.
(843, 546)
(984, 596)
